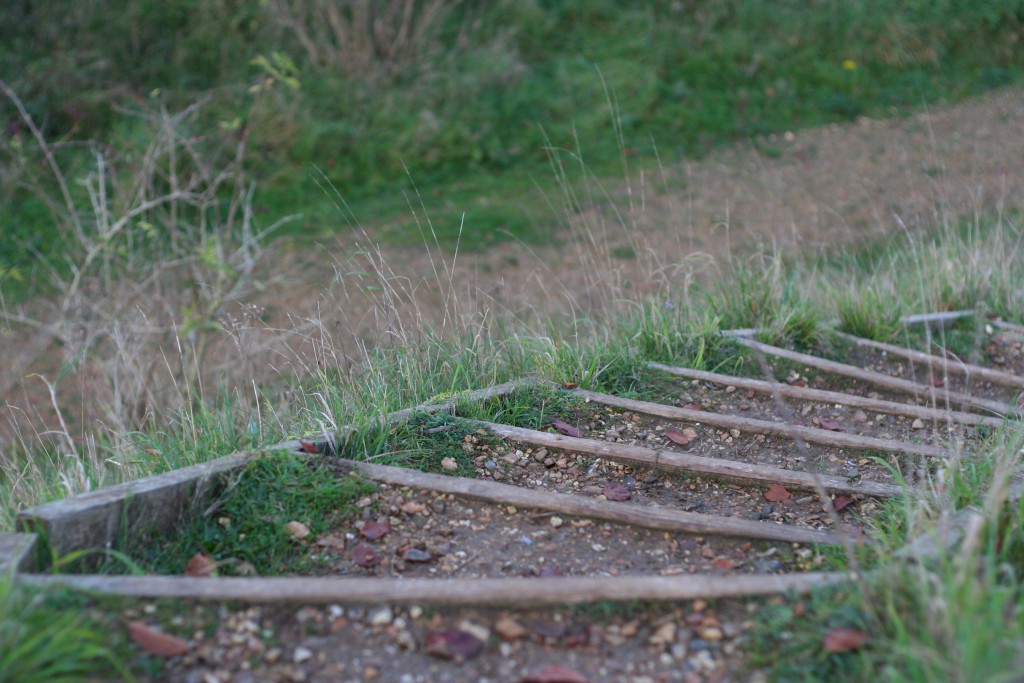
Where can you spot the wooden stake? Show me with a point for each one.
(809, 434)
(514, 592)
(938, 397)
(833, 397)
(939, 363)
(665, 519)
(675, 461)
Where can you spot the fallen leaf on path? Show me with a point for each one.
(840, 503)
(154, 642)
(364, 556)
(613, 490)
(840, 639)
(309, 447)
(776, 493)
(682, 438)
(830, 425)
(554, 674)
(453, 644)
(373, 531)
(200, 564)
(566, 428)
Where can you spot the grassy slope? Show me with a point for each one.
(473, 125)
(752, 79)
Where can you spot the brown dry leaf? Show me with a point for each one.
(682, 438)
(613, 490)
(776, 493)
(373, 531)
(554, 674)
(200, 564)
(297, 529)
(155, 643)
(840, 503)
(308, 447)
(453, 644)
(566, 428)
(364, 556)
(841, 639)
(830, 425)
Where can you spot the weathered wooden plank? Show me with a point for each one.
(675, 461)
(939, 363)
(942, 320)
(95, 519)
(17, 553)
(661, 518)
(809, 434)
(512, 592)
(834, 397)
(939, 397)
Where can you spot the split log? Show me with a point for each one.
(808, 434)
(833, 397)
(514, 592)
(939, 363)
(675, 461)
(938, 397)
(661, 518)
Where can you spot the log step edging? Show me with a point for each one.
(508, 592)
(834, 397)
(676, 461)
(939, 397)
(665, 519)
(784, 429)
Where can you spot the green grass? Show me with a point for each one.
(566, 83)
(245, 518)
(50, 636)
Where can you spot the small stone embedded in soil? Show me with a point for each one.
(449, 464)
(416, 555)
(917, 424)
(302, 654)
(298, 530)
(556, 521)
(453, 644)
(614, 490)
(380, 616)
(664, 634)
(860, 416)
(508, 629)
